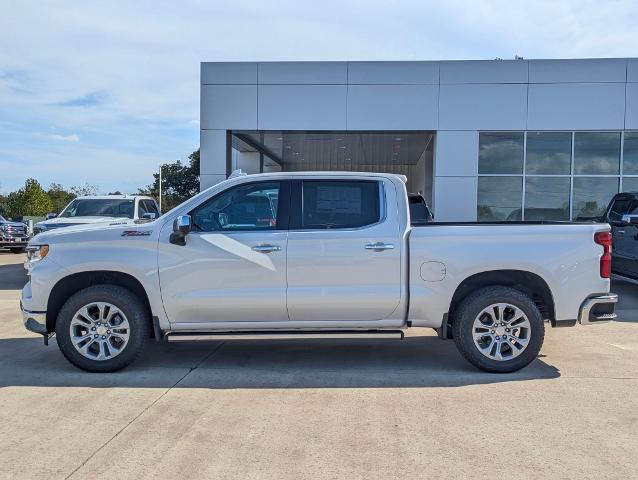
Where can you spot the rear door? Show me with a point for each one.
(344, 250)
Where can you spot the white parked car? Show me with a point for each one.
(313, 255)
(100, 209)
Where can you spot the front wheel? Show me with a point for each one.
(102, 328)
(498, 329)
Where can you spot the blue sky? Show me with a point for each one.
(103, 92)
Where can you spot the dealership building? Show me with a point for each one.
(480, 140)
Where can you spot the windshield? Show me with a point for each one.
(99, 207)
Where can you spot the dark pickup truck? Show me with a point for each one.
(622, 215)
(13, 235)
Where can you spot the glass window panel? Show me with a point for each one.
(340, 204)
(549, 153)
(500, 153)
(630, 154)
(630, 184)
(499, 198)
(251, 206)
(596, 153)
(592, 195)
(546, 198)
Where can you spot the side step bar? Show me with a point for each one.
(287, 335)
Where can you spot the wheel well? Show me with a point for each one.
(529, 283)
(79, 281)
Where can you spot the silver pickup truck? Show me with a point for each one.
(313, 255)
(13, 235)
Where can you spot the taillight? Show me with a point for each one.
(604, 239)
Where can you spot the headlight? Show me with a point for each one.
(3, 228)
(36, 253)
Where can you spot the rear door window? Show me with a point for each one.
(330, 204)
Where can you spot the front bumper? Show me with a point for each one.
(598, 309)
(35, 322)
(13, 242)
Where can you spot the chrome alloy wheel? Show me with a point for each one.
(99, 331)
(501, 331)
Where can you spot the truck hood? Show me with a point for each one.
(97, 231)
(60, 222)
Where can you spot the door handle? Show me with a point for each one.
(266, 248)
(379, 246)
(621, 232)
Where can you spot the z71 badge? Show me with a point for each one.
(136, 233)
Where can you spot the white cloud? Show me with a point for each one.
(66, 138)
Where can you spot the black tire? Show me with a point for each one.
(472, 306)
(132, 307)
(18, 250)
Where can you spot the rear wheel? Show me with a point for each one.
(102, 328)
(498, 329)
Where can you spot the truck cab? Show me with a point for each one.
(99, 209)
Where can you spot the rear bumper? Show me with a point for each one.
(598, 309)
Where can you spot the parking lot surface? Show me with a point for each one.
(325, 409)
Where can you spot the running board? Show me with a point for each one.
(294, 335)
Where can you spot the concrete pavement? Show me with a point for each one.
(350, 409)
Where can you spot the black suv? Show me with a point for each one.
(622, 215)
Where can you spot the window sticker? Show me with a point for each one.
(339, 199)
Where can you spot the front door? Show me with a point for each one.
(344, 251)
(233, 266)
(625, 243)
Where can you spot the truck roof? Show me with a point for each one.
(108, 197)
(328, 173)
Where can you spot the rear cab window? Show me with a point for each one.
(340, 204)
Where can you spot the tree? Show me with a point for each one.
(30, 200)
(84, 190)
(3, 205)
(179, 182)
(60, 197)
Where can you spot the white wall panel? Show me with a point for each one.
(479, 71)
(302, 107)
(229, 73)
(455, 199)
(576, 106)
(456, 153)
(313, 73)
(580, 70)
(392, 107)
(206, 181)
(213, 152)
(229, 107)
(399, 73)
(482, 107)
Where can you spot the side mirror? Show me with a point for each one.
(181, 227)
(629, 219)
(150, 216)
(49, 216)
